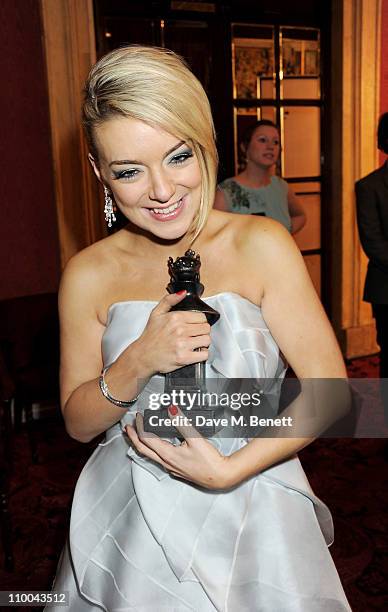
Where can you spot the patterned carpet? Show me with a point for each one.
(349, 475)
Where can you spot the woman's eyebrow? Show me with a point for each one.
(123, 162)
(177, 146)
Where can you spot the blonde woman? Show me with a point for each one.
(200, 525)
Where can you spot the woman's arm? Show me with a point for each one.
(299, 325)
(297, 214)
(166, 343)
(85, 410)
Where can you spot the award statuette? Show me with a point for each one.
(190, 380)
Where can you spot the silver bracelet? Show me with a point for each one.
(105, 392)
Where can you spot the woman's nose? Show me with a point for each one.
(162, 188)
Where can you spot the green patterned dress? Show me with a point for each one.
(270, 201)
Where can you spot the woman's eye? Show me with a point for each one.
(126, 175)
(181, 158)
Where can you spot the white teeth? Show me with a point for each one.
(168, 210)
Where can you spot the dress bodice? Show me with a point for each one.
(241, 343)
(242, 347)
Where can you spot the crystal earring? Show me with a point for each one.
(108, 208)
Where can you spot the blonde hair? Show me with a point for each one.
(155, 86)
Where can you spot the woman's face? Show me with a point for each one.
(154, 177)
(264, 146)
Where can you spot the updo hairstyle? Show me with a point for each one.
(155, 85)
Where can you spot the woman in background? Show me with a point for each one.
(256, 190)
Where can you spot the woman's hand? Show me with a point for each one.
(195, 459)
(170, 339)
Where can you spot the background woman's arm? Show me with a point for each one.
(296, 210)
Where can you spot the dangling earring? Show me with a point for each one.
(108, 208)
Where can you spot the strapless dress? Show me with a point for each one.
(143, 541)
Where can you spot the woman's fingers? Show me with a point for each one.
(167, 301)
(143, 448)
(194, 356)
(199, 329)
(165, 450)
(158, 453)
(186, 316)
(195, 459)
(182, 424)
(175, 336)
(192, 317)
(199, 342)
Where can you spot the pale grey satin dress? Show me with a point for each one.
(143, 541)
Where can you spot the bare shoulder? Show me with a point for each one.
(269, 238)
(260, 238)
(279, 260)
(86, 265)
(86, 273)
(269, 259)
(255, 250)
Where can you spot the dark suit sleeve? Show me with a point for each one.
(373, 241)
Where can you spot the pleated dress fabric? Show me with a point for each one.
(141, 540)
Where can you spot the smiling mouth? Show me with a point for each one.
(168, 212)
